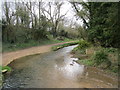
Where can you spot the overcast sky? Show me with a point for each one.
(71, 13)
(66, 7)
(0, 10)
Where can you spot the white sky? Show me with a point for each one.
(71, 13)
(66, 7)
(0, 10)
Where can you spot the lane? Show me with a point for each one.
(10, 56)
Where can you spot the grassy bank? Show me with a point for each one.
(57, 47)
(96, 56)
(17, 46)
(2, 71)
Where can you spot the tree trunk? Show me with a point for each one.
(39, 13)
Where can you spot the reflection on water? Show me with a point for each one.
(70, 69)
(55, 70)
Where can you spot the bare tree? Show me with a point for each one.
(83, 13)
(54, 16)
(31, 7)
(7, 12)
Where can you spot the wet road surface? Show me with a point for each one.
(55, 70)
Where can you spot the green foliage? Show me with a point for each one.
(100, 57)
(83, 44)
(54, 48)
(86, 62)
(110, 50)
(103, 22)
(5, 68)
(114, 68)
(82, 33)
(2, 68)
(103, 58)
(75, 49)
(25, 27)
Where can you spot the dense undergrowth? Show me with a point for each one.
(97, 56)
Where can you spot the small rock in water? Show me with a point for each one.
(74, 60)
(71, 64)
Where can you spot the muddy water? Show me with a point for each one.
(55, 70)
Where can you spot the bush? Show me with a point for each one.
(100, 57)
(114, 69)
(83, 44)
(110, 50)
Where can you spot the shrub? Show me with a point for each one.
(100, 57)
(110, 50)
(83, 44)
(114, 69)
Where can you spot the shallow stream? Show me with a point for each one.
(56, 70)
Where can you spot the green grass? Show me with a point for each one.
(102, 58)
(57, 47)
(8, 69)
(76, 49)
(18, 46)
(86, 62)
(5, 68)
